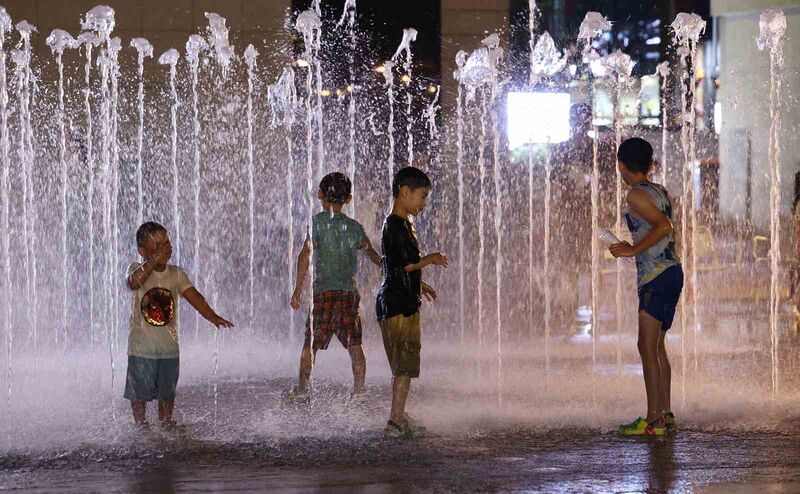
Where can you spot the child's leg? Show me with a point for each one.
(359, 364)
(400, 387)
(165, 408)
(649, 330)
(168, 372)
(666, 374)
(139, 407)
(306, 363)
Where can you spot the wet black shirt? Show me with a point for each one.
(399, 293)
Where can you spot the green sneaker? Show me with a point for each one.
(403, 430)
(669, 423)
(414, 430)
(294, 397)
(658, 427)
(635, 428)
(393, 431)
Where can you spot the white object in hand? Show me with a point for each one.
(607, 236)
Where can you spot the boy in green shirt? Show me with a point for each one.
(335, 307)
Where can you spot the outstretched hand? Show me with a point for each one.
(622, 249)
(219, 322)
(439, 259)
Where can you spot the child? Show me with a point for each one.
(153, 340)
(660, 281)
(399, 297)
(336, 239)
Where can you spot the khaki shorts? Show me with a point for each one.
(401, 339)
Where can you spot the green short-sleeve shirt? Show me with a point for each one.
(337, 238)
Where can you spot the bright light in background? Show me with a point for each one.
(537, 118)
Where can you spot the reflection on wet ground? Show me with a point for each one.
(253, 443)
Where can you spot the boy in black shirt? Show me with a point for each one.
(400, 294)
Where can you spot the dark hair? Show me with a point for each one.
(411, 177)
(336, 187)
(636, 154)
(148, 228)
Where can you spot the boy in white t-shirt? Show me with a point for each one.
(153, 340)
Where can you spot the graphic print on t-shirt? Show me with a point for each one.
(158, 306)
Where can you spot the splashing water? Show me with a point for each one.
(349, 16)
(461, 58)
(170, 58)
(495, 56)
(531, 81)
(24, 76)
(662, 71)
(772, 26)
(118, 198)
(58, 41)
(620, 66)
(388, 76)
(593, 25)
(144, 50)
(5, 197)
(546, 61)
(218, 41)
(250, 55)
(100, 20)
(409, 36)
(687, 29)
(195, 46)
(90, 40)
(283, 99)
(309, 24)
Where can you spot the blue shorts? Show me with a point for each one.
(659, 298)
(151, 379)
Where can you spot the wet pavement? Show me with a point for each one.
(498, 460)
(252, 443)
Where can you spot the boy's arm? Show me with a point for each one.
(429, 292)
(303, 261)
(437, 258)
(139, 276)
(366, 246)
(198, 301)
(661, 226)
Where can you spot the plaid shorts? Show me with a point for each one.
(335, 312)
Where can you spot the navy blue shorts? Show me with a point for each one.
(151, 379)
(659, 298)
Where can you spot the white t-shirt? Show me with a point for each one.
(154, 309)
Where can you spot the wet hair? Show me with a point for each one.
(336, 187)
(636, 154)
(411, 177)
(147, 229)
